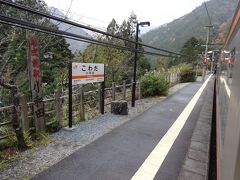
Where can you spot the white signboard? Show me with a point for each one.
(83, 73)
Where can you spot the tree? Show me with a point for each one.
(112, 57)
(54, 55)
(119, 62)
(192, 47)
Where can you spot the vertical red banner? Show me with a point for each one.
(34, 65)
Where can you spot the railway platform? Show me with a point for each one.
(168, 141)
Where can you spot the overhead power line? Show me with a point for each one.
(69, 8)
(83, 16)
(209, 18)
(34, 27)
(28, 9)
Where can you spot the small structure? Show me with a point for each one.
(119, 107)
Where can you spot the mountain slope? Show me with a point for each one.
(74, 45)
(173, 35)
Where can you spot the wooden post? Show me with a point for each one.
(58, 109)
(81, 97)
(113, 91)
(211, 67)
(196, 70)
(15, 120)
(16, 113)
(139, 90)
(35, 78)
(203, 73)
(24, 113)
(124, 90)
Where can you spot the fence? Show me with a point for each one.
(86, 106)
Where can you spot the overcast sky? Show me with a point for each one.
(98, 13)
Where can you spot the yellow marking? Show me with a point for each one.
(152, 164)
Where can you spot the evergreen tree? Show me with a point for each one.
(119, 63)
(192, 47)
(54, 52)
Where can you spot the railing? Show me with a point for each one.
(84, 107)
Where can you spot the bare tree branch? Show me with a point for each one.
(6, 85)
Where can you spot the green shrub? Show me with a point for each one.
(187, 76)
(10, 141)
(186, 73)
(199, 72)
(154, 84)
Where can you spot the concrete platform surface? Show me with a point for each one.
(120, 153)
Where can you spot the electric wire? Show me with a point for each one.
(28, 9)
(52, 39)
(209, 18)
(86, 17)
(34, 27)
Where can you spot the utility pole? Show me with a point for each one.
(135, 61)
(205, 54)
(135, 68)
(213, 59)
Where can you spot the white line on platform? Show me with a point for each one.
(152, 164)
(226, 86)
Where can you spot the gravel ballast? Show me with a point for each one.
(65, 142)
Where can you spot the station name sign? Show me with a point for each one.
(83, 73)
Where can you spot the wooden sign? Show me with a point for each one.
(36, 82)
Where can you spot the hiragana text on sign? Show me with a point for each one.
(83, 73)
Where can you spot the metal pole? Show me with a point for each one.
(102, 89)
(70, 95)
(102, 94)
(135, 68)
(205, 55)
(212, 61)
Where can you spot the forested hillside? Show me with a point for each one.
(54, 51)
(74, 45)
(173, 35)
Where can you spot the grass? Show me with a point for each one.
(11, 153)
(10, 141)
(7, 156)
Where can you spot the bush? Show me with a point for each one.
(199, 72)
(187, 74)
(10, 141)
(154, 84)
